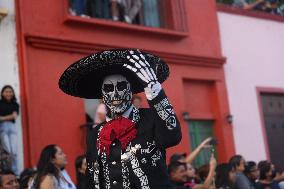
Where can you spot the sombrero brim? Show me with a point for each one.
(84, 78)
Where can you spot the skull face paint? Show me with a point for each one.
(117, 94)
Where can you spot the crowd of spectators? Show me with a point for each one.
(234, 174)
(150, 12)
(142, 12)
(275, 7)
(237, 173)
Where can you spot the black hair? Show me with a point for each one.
(5, 172)
(25, 177)
(249, 166)
(173, 166)
(78, 165)
(45, 165)
(264, 167)
(223, 175)
(203, 172)
(235, 161)
(177, 157)
(8, 87)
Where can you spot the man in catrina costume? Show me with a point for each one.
(128, 150)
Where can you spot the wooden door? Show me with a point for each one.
(273, 112)
(199, 131)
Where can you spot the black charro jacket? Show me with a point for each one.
(143, 164)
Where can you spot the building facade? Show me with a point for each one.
(188, 41)
(9, 69)
(253, 45)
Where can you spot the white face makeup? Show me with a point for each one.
(117, 93)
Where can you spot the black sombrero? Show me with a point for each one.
(84, 78)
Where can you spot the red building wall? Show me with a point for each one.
(49, 40)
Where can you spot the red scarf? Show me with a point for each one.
(122, 129)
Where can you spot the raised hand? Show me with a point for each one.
(139, 65)
(206, 143)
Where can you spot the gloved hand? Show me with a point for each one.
(139, 65)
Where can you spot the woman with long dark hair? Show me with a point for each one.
(9, 110)
(238, 163)
(225, 176)
(81, 166)
(52, 160)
